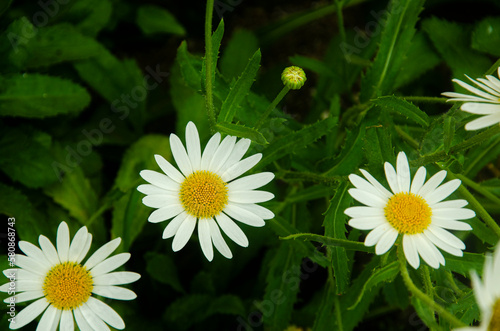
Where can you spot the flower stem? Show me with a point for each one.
(478, 207)
(425, 99)
(421, 295)
(340, 19)
(273, 104)
(209, 103)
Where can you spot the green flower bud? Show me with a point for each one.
(293, 77)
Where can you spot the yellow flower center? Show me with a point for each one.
(203, 194)
(67, 285)
(495, 318)
(408, 213)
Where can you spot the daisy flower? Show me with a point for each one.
(487, 294)
(63, 286)
(413, 209)
(206, 192)
(486, 101)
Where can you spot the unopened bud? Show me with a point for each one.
(293, 77)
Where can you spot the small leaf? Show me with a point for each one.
(163, 269)
(187, 63)
(486, 36)
(329, 241)
(350, 157)
(463, 265)
(35, 95)
(396, 105)
(153, 19)
(238, 50)
(385, 274)
(241, 131)
(240, 89)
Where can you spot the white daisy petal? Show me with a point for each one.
(483, 122)
(250, 182)
(159, 180)
(366, 223)
(29, 313)
(31, 265)
(475, 90)
(85, 250)
(114, 292)
(205, 238)
(28, 285)
(209, 151)
(180, 155)
(442, 244)
(458, 203)
(48, 249)
(453, 213)
(237, 153)
(442, 192)
(159, 201)
(34, 252)
(222, 153)
(63, 242)
(382, 190)
(77, 244)
(374, 236)
(356, 212)
(403, 172)
(22, 274)
(173, 225)
(184, 233)
(232, 230)
(258, 210)
(361, 183)
(102, 253)
(241, 167)
(480, 108)
(152, 190)
(168, 169)
(26, 296)
(451, 224)
(367, 198)
(432, 183)
(484, 87)
(218, 240)
(410, 250)
(81, 321)
(48, 321)
(165, 213)
(425, 251)
(446, 236)
(67, 322)
(94, 321)
(116, 278)
(392, 177)
(418, 180)
(193, 146)
(106, 313)
(386, 241)
(244, 216)
(250, 196)
(463, 97)
(110, 264)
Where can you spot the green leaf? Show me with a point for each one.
(310, 193)
(402, 107)
(241, 131)
(329, 241)
(240, 89)
(452, 42)
(449, 132)
(463, 265)
(187, 64)
(425, 312)
(350, 157)
(325, 317)
(294, 141)
(29, 223)
(4, 6)
(89, 17)
(153, 19)
(287, 231)
(386, 273)
(162, 268)
(129, 213)
(35, 95)
(311, 64)
(238, 50)
(73, 191)
(283, 283)
(394, 44)
(334, 225)
(25, 159)
(486, 36)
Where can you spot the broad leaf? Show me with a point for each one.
(153, 19)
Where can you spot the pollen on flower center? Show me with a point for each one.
(408, 213)
(203, 194)
(67, 285)
(494, 324)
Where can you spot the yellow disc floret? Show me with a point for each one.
(495, 317)
(67, 285)
(408, 213)
(203, 194)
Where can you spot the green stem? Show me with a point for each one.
(408, 138)
(426, 277)
(493, 68)
(421, 295)
(338, 313)
(474, 140)
(340, 19)
(425, 99)
(483, 214)
(273, 105)
(209, 103)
